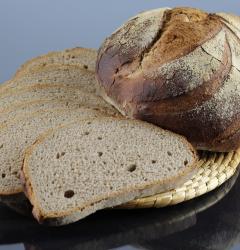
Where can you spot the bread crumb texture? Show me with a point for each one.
(93, 160)
(22, 132)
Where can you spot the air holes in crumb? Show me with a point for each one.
(132, 168)
(89, 123)
(1, 146)
(59, 155)
(3, 176)
(86, 133)
(99, 138)
(100, 154)
(85, 66)
(153, 161)
(169, 153)
(104, 163)
(69, 194)
(185, 162)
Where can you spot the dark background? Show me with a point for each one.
(30, 27)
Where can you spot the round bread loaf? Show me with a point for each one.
(179, 69)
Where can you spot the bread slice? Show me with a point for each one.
(85, 57)
(56, 92)
(53, 77)
(99, 163)
(80, 58)
(16, 135)
(25, 108)
(56, 74)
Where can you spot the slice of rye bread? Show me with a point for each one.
(83, 57)
(24, 108)
(55, 74)
(99, 163)
(20, 133)
(18, 202)
(56, 92)
(78, 58)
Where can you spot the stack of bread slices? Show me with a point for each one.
(69, 153)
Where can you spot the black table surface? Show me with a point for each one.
(208, 222)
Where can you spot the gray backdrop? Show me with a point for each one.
(30, 27)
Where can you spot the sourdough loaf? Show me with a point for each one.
(99, 163)
(180, 69)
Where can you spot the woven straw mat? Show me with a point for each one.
(214, 170)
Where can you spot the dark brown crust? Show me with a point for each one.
(114, 68)
(128, 87)
(233, 124)
(226, 145)
(195, 97)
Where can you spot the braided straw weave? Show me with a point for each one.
(214, 170)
